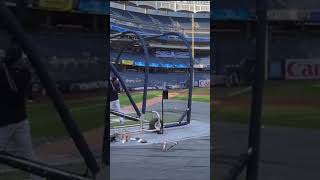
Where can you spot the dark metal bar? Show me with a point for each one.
(257, 90)
(106, 136)
(119, 55)
(176, 124)
(236, 170)
(183, 115)
(162, 117)
(146, 78)
(122, 50)
(37, 168)
(13, 26)
(116, 73)
(124, 115)
(190, 69)
(169, 125)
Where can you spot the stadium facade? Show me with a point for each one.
(169, 58)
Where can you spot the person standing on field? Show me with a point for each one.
(15, 136)
(114, 97)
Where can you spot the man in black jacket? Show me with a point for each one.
(114, 98)
(15, 137)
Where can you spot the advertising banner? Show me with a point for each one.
(302, 69)
(181, 65)
(204, 83)
(172, 54)
(154, 65)
(58, 5)
(286, 15)
(139, 63)
(167, 65)
(182, 55)
(127, 62)
(94, 6)
(230, 14)
(199, 66)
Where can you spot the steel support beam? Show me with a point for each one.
(257, 90)
(15, 28)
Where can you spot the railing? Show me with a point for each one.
(168, 28)
(191, 6)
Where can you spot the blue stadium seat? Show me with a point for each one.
(163, 19)
(143, 17)
(120, 13)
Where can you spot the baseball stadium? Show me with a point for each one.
(289, 125)
(160, 57)
(64, 46)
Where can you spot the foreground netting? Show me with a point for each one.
(249, 159)
(13, 26)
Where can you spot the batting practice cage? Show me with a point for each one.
(154, 118)
(226, 150)
(11, 23)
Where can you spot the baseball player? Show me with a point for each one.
(114, 97)
(15, 137)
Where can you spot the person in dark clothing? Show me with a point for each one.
(114, 98)
(14, 81)
(115, 88)
(15, 136)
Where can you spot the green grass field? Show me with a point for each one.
(137, 96)
(45, 122)
(199, 94)
(167, 117)
(287, 103)
(194, 98)
(89, 113)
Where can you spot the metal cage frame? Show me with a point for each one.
(142, 40)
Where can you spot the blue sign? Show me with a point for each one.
(181, 66)
(154, 65)
(94, 6)
(167, 65)
(314, 16)
(231, 14)
(139, 63)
